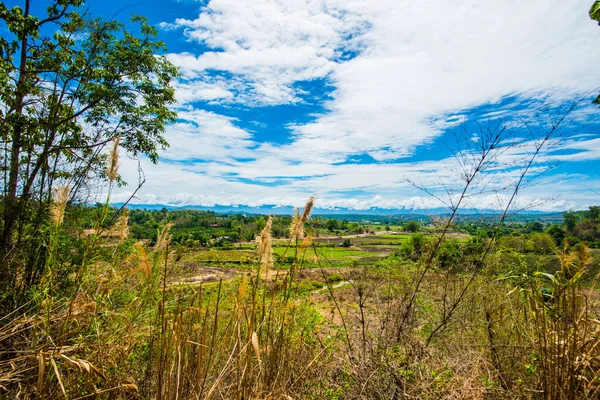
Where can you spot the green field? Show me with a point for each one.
(367, 249)
(224, 256)
(330, 253)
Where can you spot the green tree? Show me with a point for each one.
(411, 226)
(417, 243)
(450, 255)
(332, 224)
(557, 233)
(595, 15)
(570, 219)
(594, 214)
(63, 97)
(541, 243)
(534, 226)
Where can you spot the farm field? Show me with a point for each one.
(300, 200)
(365, 248)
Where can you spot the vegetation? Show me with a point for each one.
(120, 303)
(63, 98)
(595, 15)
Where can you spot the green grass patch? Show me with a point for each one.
(221, 256)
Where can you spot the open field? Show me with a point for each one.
(152, 239)
(363, 248)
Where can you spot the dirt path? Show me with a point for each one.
(205, 274)
(362, 235)
(214, 274)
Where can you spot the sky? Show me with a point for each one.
(374, 104)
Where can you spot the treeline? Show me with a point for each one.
(204, 228)
(208, 228)
(576, 226)
(194, 228)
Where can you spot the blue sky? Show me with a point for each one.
(360, 101)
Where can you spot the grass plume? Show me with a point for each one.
(59, 203)
(112, 169)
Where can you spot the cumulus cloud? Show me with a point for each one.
(401, 73)
(205, 136)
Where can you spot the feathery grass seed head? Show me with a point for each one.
(298, 221)
(112, 170)
(307, 242)
(164, 238)
(60, 197)
(122, 225)
(307, 209)
(297, 227)
(265, 249)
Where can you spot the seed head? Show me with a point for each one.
(122, 226)
(297, 226)
(263, 241)
(112, 170)
(298, 221)
(164, 238)
(60, 198)
(308, 208)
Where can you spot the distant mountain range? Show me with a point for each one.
(287, 210)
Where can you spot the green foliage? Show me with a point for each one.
(450, 255)
(411, 226)
(557, 233)
(516, 243)
(334, 277)
(595, 15)
(192, 228)
(541, 243)
(585, 225)
(414, 247)
(68, 86)
(570, 220)
(332, 225)
(595, 11)
(534, 226)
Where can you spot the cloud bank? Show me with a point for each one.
(397, 75)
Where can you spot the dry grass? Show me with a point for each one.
(125, 330)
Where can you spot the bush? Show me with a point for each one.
(541, 243)
(411, 226)
(450, 255)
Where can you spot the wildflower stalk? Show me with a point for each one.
(57, 213)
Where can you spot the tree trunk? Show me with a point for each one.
(12, 205)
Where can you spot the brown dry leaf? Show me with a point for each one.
(82, 365)
(41, 370)
(129, 385)
(62, 387)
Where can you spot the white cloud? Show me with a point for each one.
(579, 150)
(415, 70)
(206, 136)
(271, 44)
(187, 92)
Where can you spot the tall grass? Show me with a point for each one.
(110, 322)
(123, 329)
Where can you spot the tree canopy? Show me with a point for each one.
(71, 83)
(595, 15)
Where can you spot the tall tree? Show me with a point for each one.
(595, 15)
(570, 219)
(70, 84)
